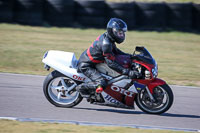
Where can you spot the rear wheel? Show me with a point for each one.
(163, 96)
(61, 90)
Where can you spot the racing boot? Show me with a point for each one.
(87, 89)
(95, 90)
(102, 84)
(83, 90)
(99, 89)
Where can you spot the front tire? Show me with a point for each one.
(61, 90)
(163, 100)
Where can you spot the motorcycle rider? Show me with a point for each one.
(102, 50)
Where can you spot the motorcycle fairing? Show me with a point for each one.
(109, 100)
(114, 94)
(138, 86)
(124, 97)
(64, 62)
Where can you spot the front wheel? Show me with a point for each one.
(61, 90)
(163, 96)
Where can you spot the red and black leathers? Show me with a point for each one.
(102, 50)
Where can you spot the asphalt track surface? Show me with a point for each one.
(21, 96)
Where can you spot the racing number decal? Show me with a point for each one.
(78, 78)
(122, 91)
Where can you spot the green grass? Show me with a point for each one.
(22, 48)
(7, 126)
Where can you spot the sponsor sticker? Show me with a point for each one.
(122, 91)
(78, 78)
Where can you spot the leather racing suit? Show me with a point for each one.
(102, 50)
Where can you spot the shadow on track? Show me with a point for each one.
(139, 112)
(180, 115)
(112, 110)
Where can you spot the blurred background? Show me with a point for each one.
(181, 15)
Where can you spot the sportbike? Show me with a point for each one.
(151, 94)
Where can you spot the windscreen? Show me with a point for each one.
(141, 53)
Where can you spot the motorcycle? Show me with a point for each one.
(151, 94)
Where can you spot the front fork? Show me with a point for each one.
(150, 94)
(150, 86)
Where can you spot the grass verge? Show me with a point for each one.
(8, 126)
(22, 49)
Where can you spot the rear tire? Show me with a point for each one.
(163, 96)
(56, 93)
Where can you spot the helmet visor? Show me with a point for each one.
(119, 33)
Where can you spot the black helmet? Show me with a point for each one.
(116, 29)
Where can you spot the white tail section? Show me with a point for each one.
(64, 62)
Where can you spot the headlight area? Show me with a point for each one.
(155, 71)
